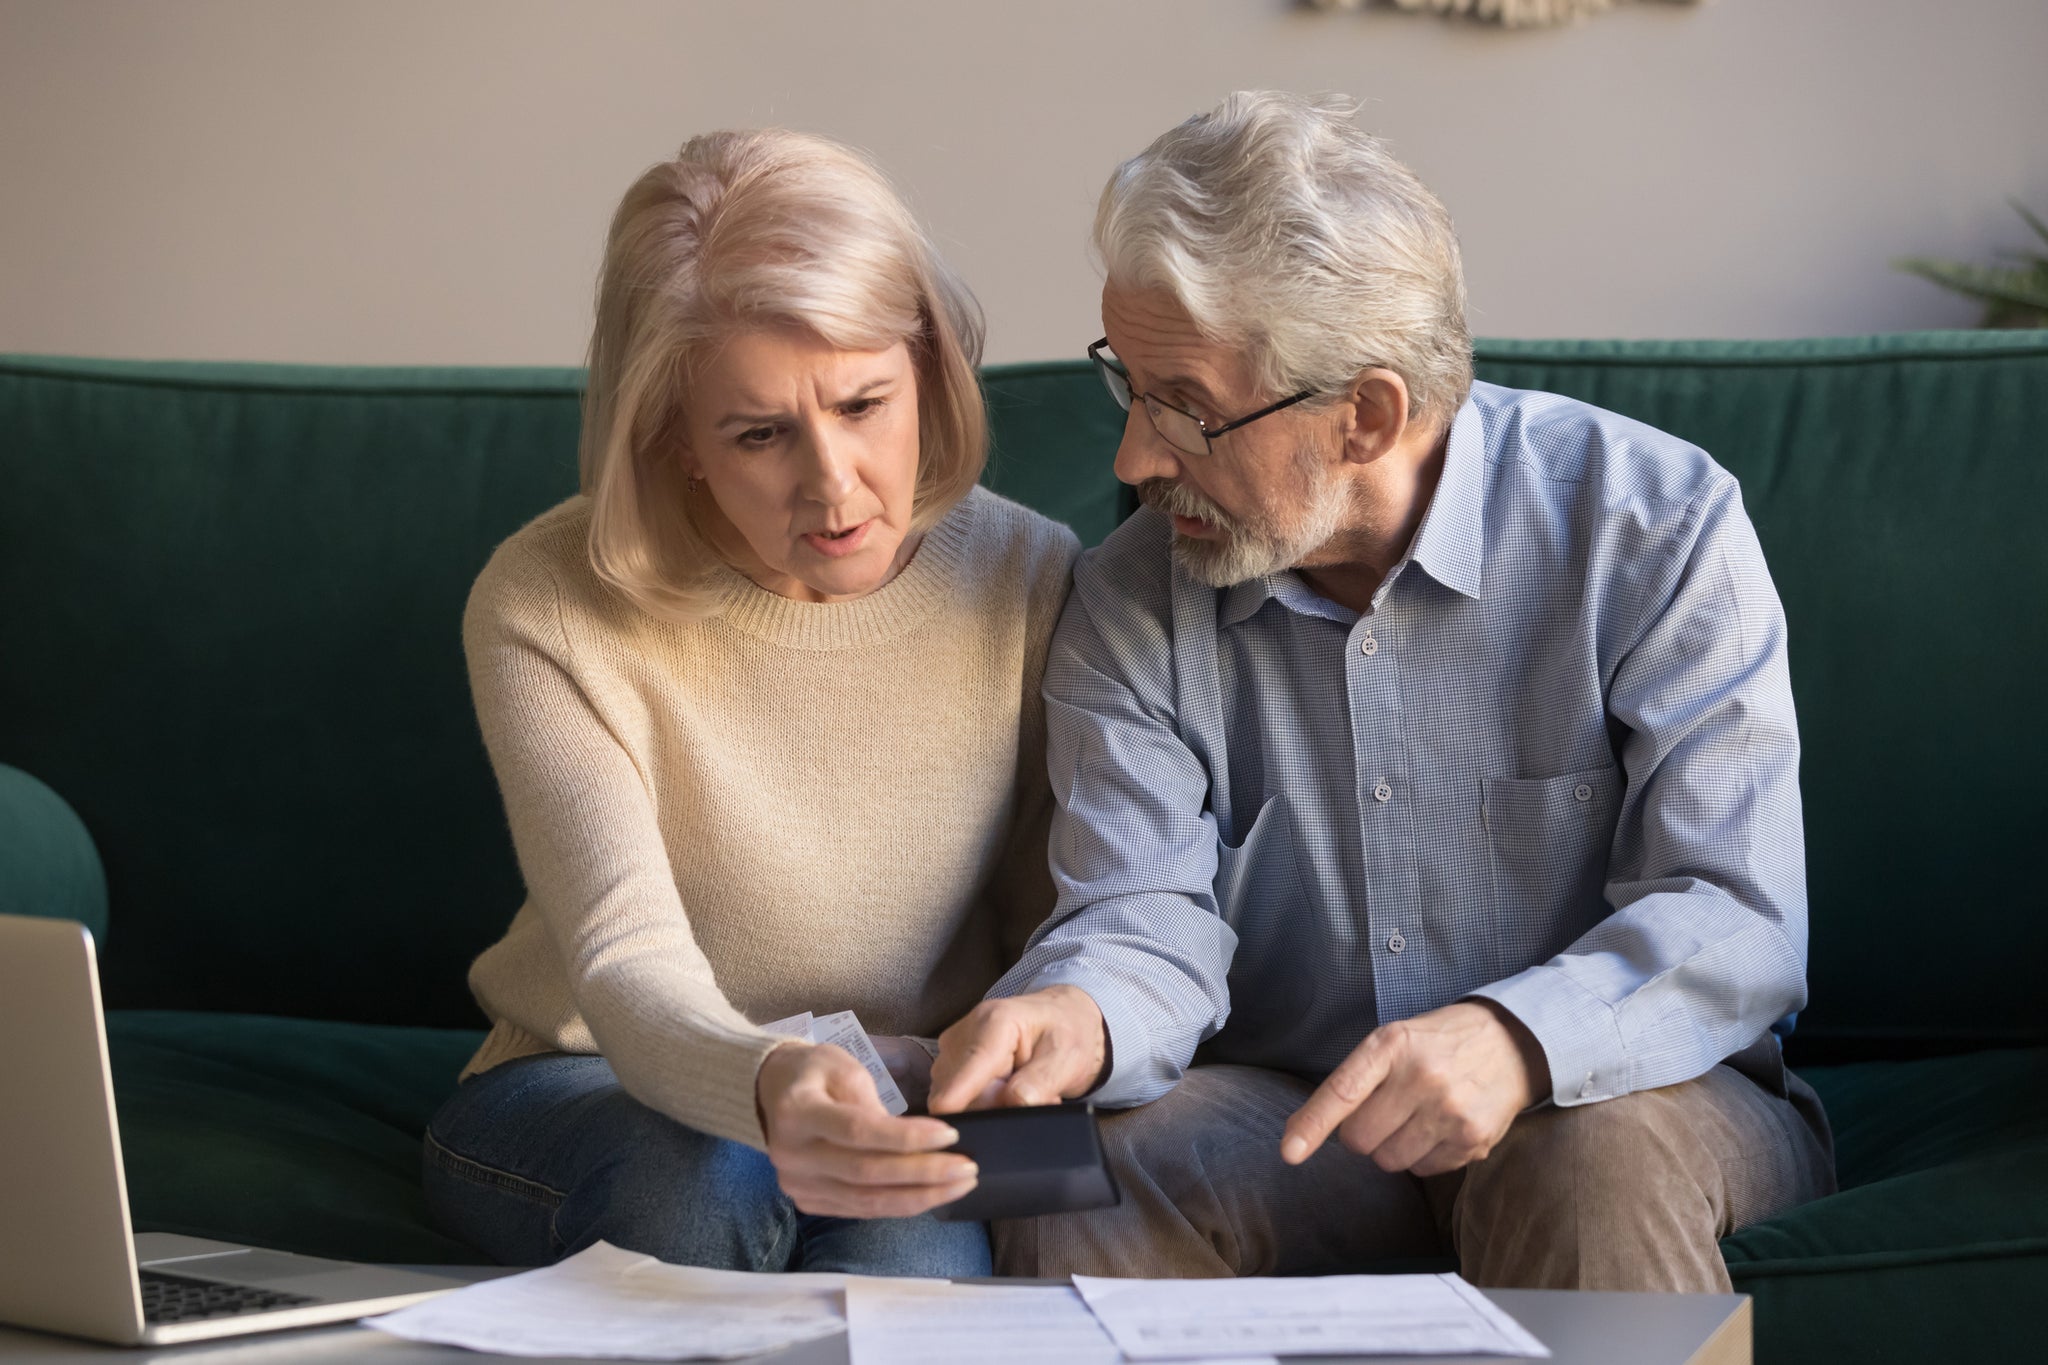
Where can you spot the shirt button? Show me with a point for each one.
(1396, 943)
(1583, 792)
(1368, 646)
(1586, 1090)
(1382, 792)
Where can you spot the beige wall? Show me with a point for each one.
(413, 181)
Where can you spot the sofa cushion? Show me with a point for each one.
(1941, 1227)
(284, 1133)
(48, 865)
(1945, 1158)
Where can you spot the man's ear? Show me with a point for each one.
(1374, 415)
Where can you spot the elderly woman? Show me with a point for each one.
(763, 702)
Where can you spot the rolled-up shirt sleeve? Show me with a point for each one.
(1133, 848)
(1705, 948)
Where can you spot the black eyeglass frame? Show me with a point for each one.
(1105, 367)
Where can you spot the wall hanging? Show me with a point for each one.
(1510, 13)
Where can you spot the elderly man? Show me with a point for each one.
(1427, 770)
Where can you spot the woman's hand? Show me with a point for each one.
(911, 1064)
(838, 1152)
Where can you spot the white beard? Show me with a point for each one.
(1252, 546)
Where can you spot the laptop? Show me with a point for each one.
(68, 1259)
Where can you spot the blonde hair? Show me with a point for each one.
(743, 230)
(1283, 228)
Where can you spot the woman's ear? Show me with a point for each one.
(1374, 415)
(673, 443)
(685, 459)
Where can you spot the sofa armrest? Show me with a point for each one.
(48, 863)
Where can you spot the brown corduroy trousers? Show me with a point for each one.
(1630, 1193)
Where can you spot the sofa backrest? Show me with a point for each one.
(229, 599)
(229, 636)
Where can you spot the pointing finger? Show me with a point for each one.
(1341, 1092)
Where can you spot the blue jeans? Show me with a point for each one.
(538, 1158)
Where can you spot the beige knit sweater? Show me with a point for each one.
(785, 806)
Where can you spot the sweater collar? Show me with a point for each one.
(890, 610)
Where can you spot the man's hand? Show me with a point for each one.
(1038, 1048)
(1426, 1095)
(838, 1151)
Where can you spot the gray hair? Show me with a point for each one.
(1283, 228)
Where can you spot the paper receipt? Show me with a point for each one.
(842, 1030)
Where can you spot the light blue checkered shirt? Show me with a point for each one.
(1554, 764)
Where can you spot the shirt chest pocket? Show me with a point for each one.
(1548, 842)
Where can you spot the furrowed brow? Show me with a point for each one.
(1187, 386)
(864, 390)
(747, 419)
(761, 419)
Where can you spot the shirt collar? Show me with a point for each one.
(1450, 544)
(1242, 600)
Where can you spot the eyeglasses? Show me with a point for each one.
(1184, 431)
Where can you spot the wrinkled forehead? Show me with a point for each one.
(1164, 351)
(767, 368)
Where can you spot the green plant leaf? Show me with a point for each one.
(2017, 288)
(2040, 228)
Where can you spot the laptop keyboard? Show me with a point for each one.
(178, 1298)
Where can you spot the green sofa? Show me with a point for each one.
(239, 744)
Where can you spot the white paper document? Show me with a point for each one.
(890, 1322)
(605, 1303)
(910, 1322)
(796, 1026)
(843, 1030)
(1328, 1315)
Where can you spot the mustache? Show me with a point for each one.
(1178, 500)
